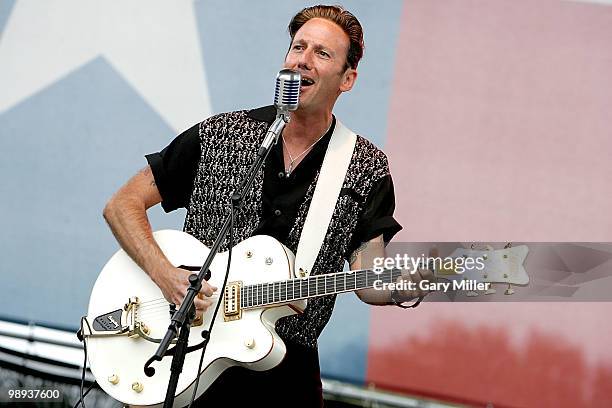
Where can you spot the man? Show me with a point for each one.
(203, 165)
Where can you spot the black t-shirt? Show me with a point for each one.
(174, 170)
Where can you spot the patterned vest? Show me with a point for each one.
(229, 142)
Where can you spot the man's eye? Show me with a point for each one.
(297, 47)
(324, 54)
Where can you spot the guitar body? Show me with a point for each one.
(117, 361)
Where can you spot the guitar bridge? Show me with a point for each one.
(231, 302)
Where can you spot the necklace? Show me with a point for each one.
(293, 159)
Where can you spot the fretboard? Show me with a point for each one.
(262, 294)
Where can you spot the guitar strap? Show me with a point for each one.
(330, 181)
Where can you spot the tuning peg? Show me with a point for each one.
(509, 291)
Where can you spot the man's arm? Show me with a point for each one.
(363, 257)
(126, 214)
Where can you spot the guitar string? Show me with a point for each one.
(289, 280)
(163, 304)
(245, 290)
(152, 302)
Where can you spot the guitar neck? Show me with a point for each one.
(263, 294)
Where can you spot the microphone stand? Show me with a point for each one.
(183, 318)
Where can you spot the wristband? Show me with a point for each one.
(399, 304)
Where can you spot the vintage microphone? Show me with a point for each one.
(286, 97)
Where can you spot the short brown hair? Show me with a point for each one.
(344, 19)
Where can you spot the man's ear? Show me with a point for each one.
(348, 80)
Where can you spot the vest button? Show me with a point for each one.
(277, 212)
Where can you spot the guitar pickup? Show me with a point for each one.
(231, 301)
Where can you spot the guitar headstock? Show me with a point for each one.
(493, 266)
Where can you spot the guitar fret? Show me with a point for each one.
(277, 293)
(330, 284)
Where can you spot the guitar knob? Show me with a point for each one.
(249, 343)
(138, 387)
(113, 379)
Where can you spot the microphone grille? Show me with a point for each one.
(287, 91)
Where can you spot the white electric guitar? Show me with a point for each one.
(128, 315)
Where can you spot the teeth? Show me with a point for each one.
(306, 81)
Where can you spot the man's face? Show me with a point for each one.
(318, 51)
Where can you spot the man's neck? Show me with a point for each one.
(305, 128)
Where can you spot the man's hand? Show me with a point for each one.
(425, 276)
(174, 282)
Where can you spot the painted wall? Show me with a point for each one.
(494, 114)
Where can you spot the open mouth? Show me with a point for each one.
(306, 82)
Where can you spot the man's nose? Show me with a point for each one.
(305, 60)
